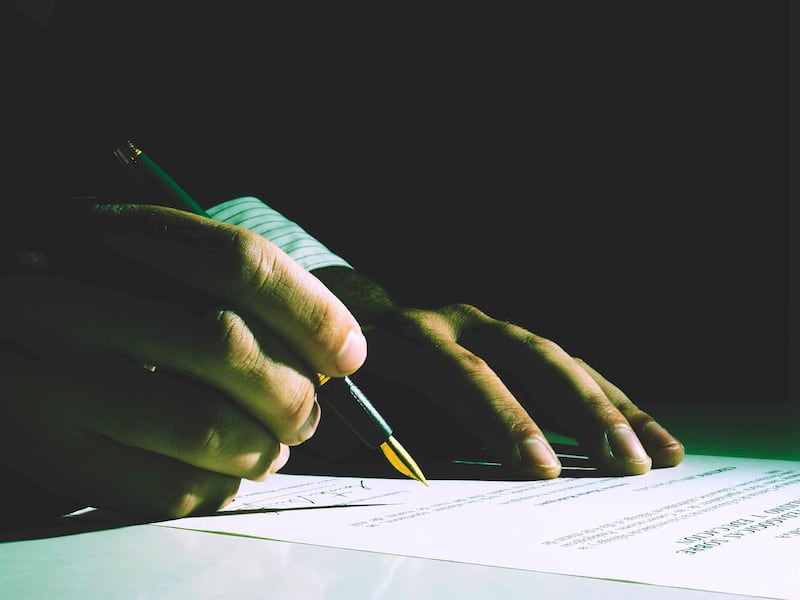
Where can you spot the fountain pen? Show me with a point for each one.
(342, 395)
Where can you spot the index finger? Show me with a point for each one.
(239, 267)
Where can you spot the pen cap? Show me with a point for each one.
(344, 398)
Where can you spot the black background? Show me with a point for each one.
(612, 175)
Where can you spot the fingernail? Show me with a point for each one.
(624, 445)
(281, 460)
(310, 426)
(535, 452)
(352, 353)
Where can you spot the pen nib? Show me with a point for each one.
(401, 460)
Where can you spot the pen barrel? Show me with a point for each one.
(154, 183)
(342, 395)
(344, 398)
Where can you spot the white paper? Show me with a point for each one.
(712, 523)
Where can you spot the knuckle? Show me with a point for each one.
(520, 425)
(195, 492)
(322, 319)
(179, 502)
(219, 437)
(297, 404)
(594, 400)
(204, 434)
(473, 364)
(542, 345)
(465, 310)
(420, 325)
(545, 347)
(230, 340)
(256, 261)
(464, 316)
(638, 418)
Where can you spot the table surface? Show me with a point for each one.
(150, 561)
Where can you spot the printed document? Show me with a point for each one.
(712, 523)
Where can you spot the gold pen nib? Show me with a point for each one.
(402, 461)
(359, 414)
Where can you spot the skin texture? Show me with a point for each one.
(497, 380)
(152, 359)
(232, 332)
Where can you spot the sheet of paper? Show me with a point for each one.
(712, 523)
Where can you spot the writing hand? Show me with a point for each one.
(235, 327)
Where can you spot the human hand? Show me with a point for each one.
(236, 329)
(496, 380)
(456, 383)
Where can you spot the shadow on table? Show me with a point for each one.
(372, 464)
